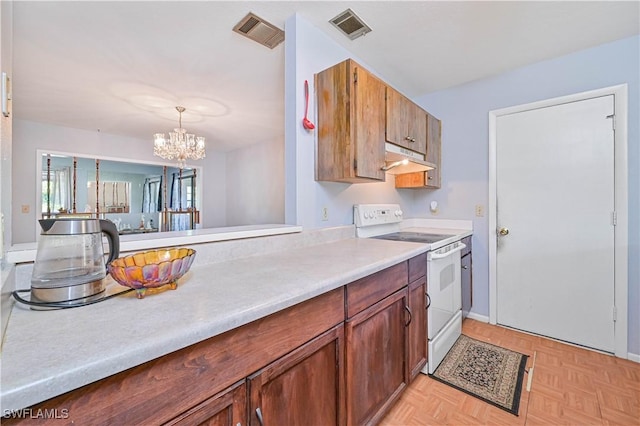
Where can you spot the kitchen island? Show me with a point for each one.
(48, 353)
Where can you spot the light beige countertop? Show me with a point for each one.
(47, 353)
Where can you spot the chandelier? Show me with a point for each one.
(181, 145)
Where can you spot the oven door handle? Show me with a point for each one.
(435, 255)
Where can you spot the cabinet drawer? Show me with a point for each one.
(417, 267)
(368, 290)
(228, 408)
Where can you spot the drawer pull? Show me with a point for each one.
(410, 315)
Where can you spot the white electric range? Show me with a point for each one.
(444, 290)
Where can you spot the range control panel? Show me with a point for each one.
(376, 214)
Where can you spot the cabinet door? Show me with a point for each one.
(368, 123)
(434, 147)
(304, 387)
(350, 119)
(467, 285)
(417, 128)
(228, 408)
(376, 371)
(397, 126)
(417, 352)
(406, 123)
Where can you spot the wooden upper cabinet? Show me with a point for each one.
(434, 151)
(351, 119)
(406, 123)
(432, 178)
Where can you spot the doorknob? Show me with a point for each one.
(504, 231)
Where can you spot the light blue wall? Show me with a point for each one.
(464, 114)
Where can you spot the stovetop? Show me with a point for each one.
(416, 237)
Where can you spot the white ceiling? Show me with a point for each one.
(122, 67)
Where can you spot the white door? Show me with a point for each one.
(555, 196)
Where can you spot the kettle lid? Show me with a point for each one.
(69, 226)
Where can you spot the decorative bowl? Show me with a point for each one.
(153, 268)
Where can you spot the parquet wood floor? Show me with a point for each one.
(570, 386)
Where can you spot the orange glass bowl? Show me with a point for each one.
(153, 268)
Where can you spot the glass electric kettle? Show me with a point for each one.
(70, 262)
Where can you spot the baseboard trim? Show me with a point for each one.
(633, 357)
(478, 317)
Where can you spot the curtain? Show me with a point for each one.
(152, 195)
(60, 190)
(179, 222)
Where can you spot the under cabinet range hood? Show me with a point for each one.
(400, 160)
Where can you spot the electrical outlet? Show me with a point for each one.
(25, 208)
(325, 213)
(479, 210)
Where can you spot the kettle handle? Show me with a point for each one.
(110, 230)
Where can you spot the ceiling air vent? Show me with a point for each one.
(350, 24)
(257, 29)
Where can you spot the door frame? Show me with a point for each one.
(621, 180)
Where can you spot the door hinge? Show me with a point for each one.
(614, 218)
(615, 314)
(355, 75)
(613, 120)
(355, 164)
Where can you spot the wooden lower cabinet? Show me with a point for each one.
(417, 355)
(376, 373)
(341, 358)
(305, 387)
(466, 278)
(228, 408)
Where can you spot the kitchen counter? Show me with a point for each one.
(47, 353)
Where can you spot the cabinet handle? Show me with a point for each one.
(465, 267)
(428, 300)
(259, 415)
(429, 177)
(410, 315)
(410, 139)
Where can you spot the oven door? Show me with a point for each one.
(443, 286)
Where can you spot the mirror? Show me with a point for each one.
(137, 197)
